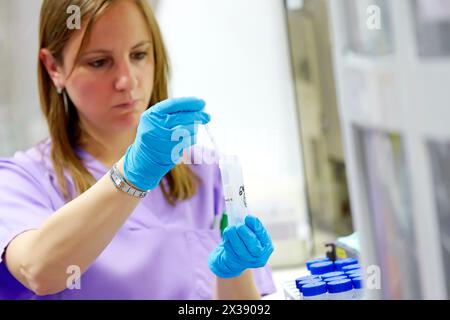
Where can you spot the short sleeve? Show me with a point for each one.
(264, 280)
(24, 204)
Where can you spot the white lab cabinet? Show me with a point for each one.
(394, 108)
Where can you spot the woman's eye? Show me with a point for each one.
(97, 63)
(139, 55)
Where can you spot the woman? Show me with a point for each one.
(76, 221)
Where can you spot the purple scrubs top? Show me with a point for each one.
(159, 253)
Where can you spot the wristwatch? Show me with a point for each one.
(123, 185)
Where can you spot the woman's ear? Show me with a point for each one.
(54, 71)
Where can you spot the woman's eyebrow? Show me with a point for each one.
(141, 44)
(108, 51)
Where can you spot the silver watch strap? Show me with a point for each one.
(123, 185)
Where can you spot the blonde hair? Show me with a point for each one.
(64, 127)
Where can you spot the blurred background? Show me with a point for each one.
(338, 109)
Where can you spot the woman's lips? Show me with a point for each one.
(127, 105)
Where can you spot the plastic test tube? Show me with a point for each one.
(233, 189)
(233, 185)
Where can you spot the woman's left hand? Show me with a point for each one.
(244, 246)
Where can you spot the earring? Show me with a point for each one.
(59, 90)
(66, 104)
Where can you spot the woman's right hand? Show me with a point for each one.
(157, 147)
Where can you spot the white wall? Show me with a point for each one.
(235, 55)
(20, 115)
(5, 70)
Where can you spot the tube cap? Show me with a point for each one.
(322, 267)
(310, 262)
(354, 275)
(353, 271)
(340, 286)
(335, 279)
(351, 267)
(305, 278)
(338, 264)
(357, 282)
(300, 284)
(332, 274)
(314, 289)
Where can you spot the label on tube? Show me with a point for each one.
(233, 188)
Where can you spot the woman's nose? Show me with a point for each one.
(126, 80)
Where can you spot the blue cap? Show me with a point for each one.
(321, 267)
(305, 282)
(300, 284)
(314, 289)
(354, 275)
(353, 271)
(344, 262)
(351, 267)
(340, 286)
(334, 279)
(357, 282)
(310, 262)
(332, 274)
(311, 276)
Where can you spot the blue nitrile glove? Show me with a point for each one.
(244, 246)
(157, 147)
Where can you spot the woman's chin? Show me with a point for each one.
(127, 121)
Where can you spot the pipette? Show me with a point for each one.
(233, 184)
